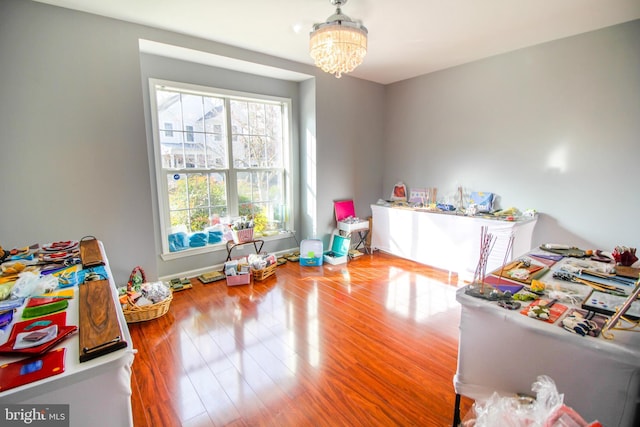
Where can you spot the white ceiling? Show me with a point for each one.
(406, 38)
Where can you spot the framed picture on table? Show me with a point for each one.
(399, 192)
(418, 196)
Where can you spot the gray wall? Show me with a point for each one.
(74, 152)
(73, 134)
(553, 127)
(350, 135)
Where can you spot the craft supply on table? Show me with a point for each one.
(564, 250)
(628, 272)
(570, 277)
(32, 369)
(63, 330)
(625, 256)
(546, 310)
(522, 270)
(607, 304)
(37, 307)
(583, 322)
(99, 324)
(90, 252)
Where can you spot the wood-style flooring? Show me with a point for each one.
(370, 343)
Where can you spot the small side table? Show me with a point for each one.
(362, 239)
(257, 245)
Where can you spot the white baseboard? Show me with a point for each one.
(199, 271)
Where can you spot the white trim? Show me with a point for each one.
(230, 170)
(211, 59)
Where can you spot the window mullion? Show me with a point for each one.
(232, 187)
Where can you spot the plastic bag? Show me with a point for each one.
(5, 290)
(29, 283)
(155, 291)
(483, 201)
(546, 410)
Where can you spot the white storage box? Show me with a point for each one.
(339, 250)
(353, 226)
(311, 252)
(346, 217)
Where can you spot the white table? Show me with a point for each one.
(98, 391)
(447, 241)
(504, 351)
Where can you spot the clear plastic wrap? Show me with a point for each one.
(546, 410)
(29, 283)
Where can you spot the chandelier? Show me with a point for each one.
(338, 45)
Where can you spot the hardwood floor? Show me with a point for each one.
(368, 343)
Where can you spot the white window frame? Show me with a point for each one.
(232, 197)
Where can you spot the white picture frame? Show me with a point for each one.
(418, 196)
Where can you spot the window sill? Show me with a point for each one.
(168, 256)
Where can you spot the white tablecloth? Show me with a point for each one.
(446, 241)
(505, 351)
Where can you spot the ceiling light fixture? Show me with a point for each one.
(338, 45)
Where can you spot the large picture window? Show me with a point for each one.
(219, 155)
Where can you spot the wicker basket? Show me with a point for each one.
(264, 273)
(134, 313)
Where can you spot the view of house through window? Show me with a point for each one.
(219, 156)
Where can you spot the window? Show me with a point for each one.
(189, 133)
(227, 156)
(168, 129)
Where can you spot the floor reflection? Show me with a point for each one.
(418, 297)
(241, 349)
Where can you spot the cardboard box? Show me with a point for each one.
(339, 250)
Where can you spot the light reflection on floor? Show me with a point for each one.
(255, 344)
(418, 297)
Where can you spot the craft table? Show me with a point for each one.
(505, 351)
(98, 391)
(446, 240)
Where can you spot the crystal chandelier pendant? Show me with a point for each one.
(338, 45)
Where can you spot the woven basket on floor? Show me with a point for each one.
(134, 313)
(265, 272)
